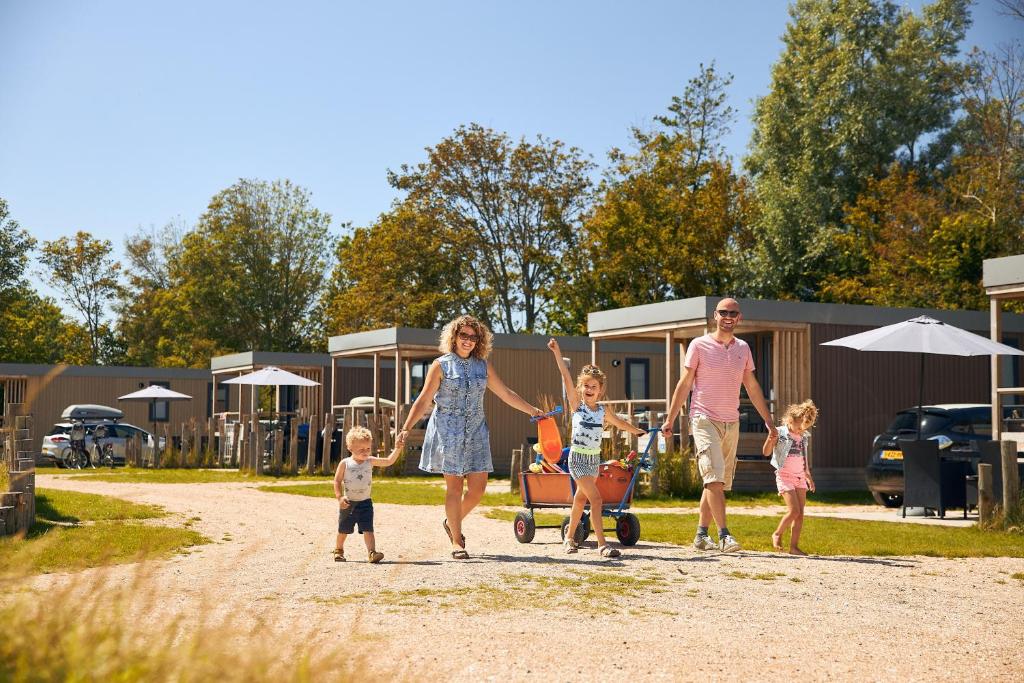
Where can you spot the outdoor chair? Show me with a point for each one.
(929, 482)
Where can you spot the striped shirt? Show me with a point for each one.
(718, 374)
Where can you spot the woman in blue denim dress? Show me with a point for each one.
(457, 443)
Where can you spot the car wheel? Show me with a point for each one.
(889, 500)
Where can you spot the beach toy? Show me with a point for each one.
(549, 439)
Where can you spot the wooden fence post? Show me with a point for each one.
(314, 433)
(236, 445)
(985, 500)
(293, 446)
(515, 468)
(328, 438)
(278, 448)
(1011, 479)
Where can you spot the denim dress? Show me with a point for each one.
(457, 440)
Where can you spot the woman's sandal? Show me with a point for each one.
(448, 531)
(460, 555)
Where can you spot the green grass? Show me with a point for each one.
(71, 506)
(138, 475)
(826, 536)
(51, 547)
(79, 530)
(396, 492)
(762, 498)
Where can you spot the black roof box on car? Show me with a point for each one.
(88, 411)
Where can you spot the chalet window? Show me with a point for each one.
(160, 411)
(638, 378)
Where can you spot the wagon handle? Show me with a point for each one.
(538, 418)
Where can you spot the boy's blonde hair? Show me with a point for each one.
(591, 372)
(481, 350)
(358, 433)
(798, 412)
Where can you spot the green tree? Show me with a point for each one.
(671, 219)
(860, 84)
(33, 329)
(249, 275)
(151, 324)
(402, 270)
(511, 211)
(84, 271)
(15, 246)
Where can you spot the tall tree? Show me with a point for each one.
(860, 84)
(87, 276)
(251, 272)
(150, 305)
(671, 219)
(511, 209)
(15, 246)
(405, 269)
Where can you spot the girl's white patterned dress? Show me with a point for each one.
(585, 444)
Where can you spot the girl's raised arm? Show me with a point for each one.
(617, 421)
(570, 389)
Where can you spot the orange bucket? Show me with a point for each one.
(550, 440)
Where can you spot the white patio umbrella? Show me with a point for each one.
(154, 393)
(923, 335)
(271, 376)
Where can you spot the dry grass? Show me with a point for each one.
(100, 629)
(593, 592)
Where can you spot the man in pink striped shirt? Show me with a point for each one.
(716, 365)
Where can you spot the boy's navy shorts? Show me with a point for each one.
(360, 513)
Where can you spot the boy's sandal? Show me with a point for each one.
(376, 556)
(448, 531)
(608, 551)
(339, 555)
(460, 555)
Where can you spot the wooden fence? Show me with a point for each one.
(17, 472)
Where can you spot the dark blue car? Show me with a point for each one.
(960, 423)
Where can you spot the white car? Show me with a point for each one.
(57, 442)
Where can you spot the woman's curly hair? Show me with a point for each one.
(481, 350)
(798, 412)
(591, 372)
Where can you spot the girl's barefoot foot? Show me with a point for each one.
(797, 551)
(777, 542)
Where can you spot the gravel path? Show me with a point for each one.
(515, 611)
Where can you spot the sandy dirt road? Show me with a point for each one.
(515, 611)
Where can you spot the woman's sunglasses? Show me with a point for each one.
(469, 337)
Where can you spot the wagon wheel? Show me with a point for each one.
(524, 526)
(627, 528)
(582, 529)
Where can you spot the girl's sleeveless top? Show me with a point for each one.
(587, 429)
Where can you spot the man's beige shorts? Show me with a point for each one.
(715, 443)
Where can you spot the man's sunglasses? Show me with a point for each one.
(468, 337)
(727, 314)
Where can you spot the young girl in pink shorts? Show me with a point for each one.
(788, 452)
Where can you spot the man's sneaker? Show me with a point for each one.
(376, 557)
(704, 542)
(570, 545)
(728, 544)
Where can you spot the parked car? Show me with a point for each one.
(101, 424)
(953, 425)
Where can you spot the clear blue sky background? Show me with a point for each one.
(120, 114)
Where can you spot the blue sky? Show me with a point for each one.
(117, 115)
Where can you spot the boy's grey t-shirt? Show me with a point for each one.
(358, 478)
